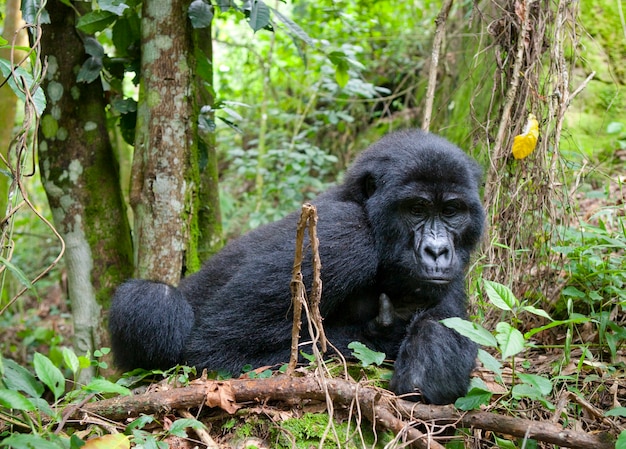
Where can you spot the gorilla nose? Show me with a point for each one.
(437, 251)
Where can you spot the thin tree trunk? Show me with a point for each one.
(81, 181)
(165, 174)
(8, 100)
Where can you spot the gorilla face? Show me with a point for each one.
(424, 209)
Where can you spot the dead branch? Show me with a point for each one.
(308, 218)
(434, 63)
(380, 407)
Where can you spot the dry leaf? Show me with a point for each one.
(114, 441)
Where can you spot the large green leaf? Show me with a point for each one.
(28, 441)
(473, 399)
(293, 27)
(200, 14)
(95, 21)
(473, 331)
(510, 340)
(366, 355)
(49, 374)
(15, 400)
(117, 7)
(259, 16)
(100, 385)
(500, 295)
(542, 384)
(39, 99)
(18, 378)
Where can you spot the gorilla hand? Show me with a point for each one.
(435, 360)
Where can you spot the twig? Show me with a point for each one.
(434, 63)
(308, 218)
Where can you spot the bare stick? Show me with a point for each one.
(308, 218)
(434, 63)
(316, 286)
(297, 292)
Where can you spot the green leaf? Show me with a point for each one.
(19, 274)
(526, 391)
(30, 10)
(140, 422)
(76, 442)
(473, 331)
(543, 385)
(573, 292)
(15, 400)
(473, 399)
(178, 427)
(126, 33)
(536, 311)
(95, 21)
(117, 7)
(100, 385)
(90, 70)
(71, 360)
(617, 411)
(49, 374)
(200, 14)
(18, 378)
(340, 61)
(491, 363)
(259, 15)
(39, 98)
(225, 5)
(29, 441)
(500, 295)
(366, 355)
(614, 128)
(504, 444)
(293, 27)
(510, 340)
(93, 47)
(574, 320)
(621, 440)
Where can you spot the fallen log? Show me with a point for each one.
(379, 406)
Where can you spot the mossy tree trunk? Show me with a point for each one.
(165, 171)
(80, 177)
(209, 216)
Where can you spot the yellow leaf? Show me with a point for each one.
(114, 441)
(525, 143)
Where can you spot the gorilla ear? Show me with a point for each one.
(369, 185)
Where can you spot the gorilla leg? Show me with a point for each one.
(149, 324)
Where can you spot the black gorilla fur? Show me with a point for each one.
(395, 240)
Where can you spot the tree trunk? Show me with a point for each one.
(8, 100)
(209, 215)
(80, 177)
(165, 174)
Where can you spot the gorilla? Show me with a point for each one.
(394, 239)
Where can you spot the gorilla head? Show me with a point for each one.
(395, 241)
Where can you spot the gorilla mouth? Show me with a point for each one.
(436, 280)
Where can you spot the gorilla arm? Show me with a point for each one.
(433, 358)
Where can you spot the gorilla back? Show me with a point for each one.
(395, 241)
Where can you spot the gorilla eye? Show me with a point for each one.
(451, 208)
(419, 207)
